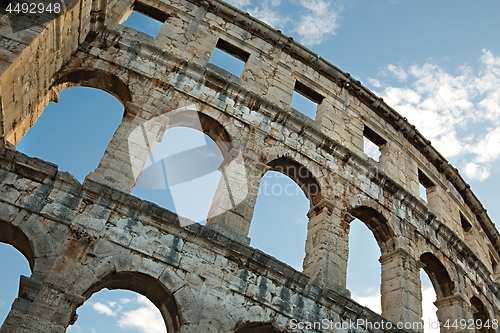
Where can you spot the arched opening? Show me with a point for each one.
(363, 267)
(75, 132)
(118, 311)
(300, 175)
(377, 224)
(438, 275)
(257, 328)
(13, 236)
(94, 78)
(141, 316)
(369, 237)
(181, 173)
(14, 265)
(279, 223)
(431, 323)
(16, 259)
(482, 320)
(434, 312)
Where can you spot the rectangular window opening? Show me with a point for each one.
(372, 143)
(425, 185)
(466, 226)
(305, 100)
(229, 57)
(146, 19)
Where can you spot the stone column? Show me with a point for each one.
(128, 151)
(233, 205)
(40, 309)
(453, 308)
(327, 247)
(400, 287)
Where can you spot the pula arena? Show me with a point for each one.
(81, 238)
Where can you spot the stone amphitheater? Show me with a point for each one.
(81, 238)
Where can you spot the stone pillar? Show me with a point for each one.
(327, 247)
(453, 308)
(40, 309)
(234, 201)
(400, 287)
(128, 151)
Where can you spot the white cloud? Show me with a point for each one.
(375, 83)
(103, 309)
(399, 72)
(266, 11)
(312, 21)
(317, 23)
(488, 149)
(459, 112)
(474, 171)
(269, 15)
(146, 319)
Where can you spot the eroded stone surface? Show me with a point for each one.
(80, 238)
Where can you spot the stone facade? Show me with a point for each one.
(81, 238)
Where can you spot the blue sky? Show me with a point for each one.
(436, 62)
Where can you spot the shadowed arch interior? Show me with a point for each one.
(15, 237)
(300, 175)
(438, 275)
(94, 78)
(480, 314)
(147, 286)
(377, 224)
(209, 126)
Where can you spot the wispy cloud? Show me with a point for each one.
(310, 21)
(459, 112)
(269, 15)
(266, 11)
(146, 319)
(103, 309)
(318, 22)
(138, 314)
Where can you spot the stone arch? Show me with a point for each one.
(202, 122)
(479, 313)
(300, 174)
(147, 286)
(257, 328)
(74, 77)
(378, 224)
(373, 218)
(93, 78)
(12, 235)
(440, 279)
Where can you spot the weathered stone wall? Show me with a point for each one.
(82, 238)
